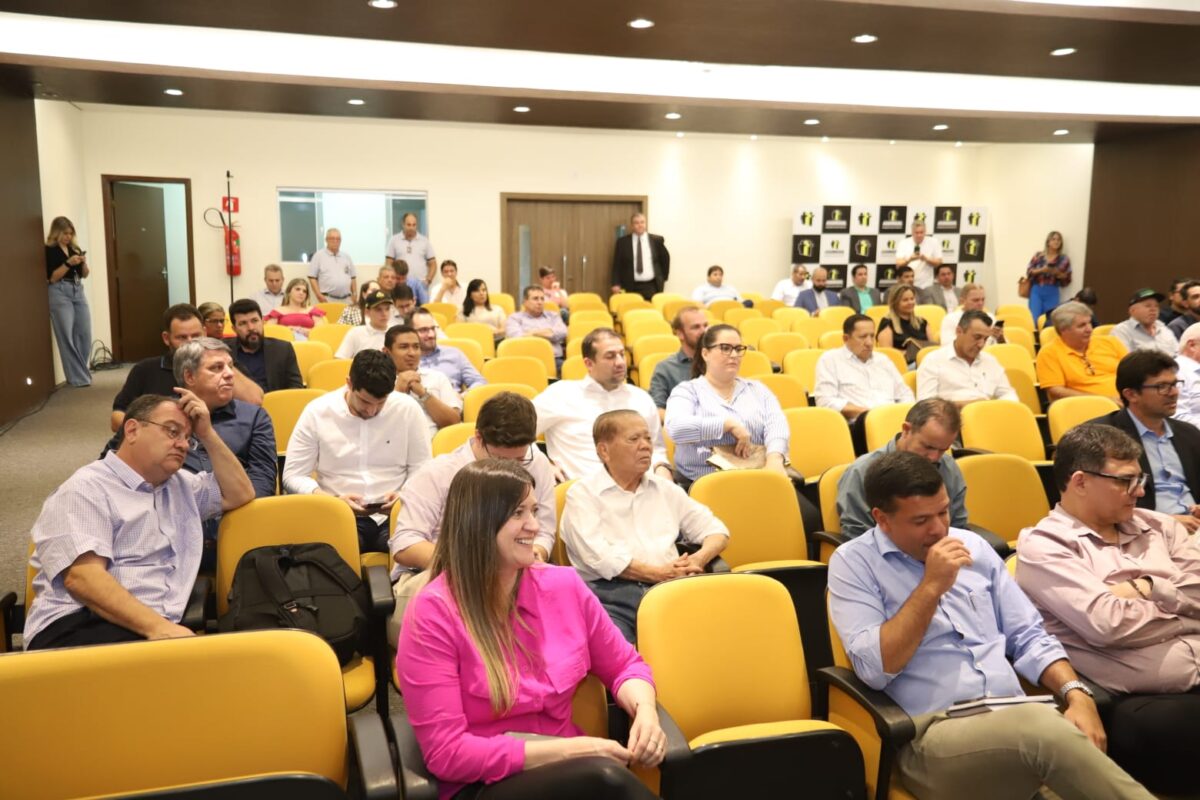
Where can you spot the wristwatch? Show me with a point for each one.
(1069, 685)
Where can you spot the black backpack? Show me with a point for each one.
(306, 586)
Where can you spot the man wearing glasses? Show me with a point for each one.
(1119, 586)
(117, 547)
(506, 428)
(1149, 385)
(1077, 362)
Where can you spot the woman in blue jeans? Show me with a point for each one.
(1047, 271)
(66, 267)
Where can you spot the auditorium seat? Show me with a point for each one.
(281, 332)
(924, 351)
(1013, 356)
(447, 310)
(645, 327)
(660, 299)
(619, 303)
(516, 369)
(1067, 412)
(910, 380)
(788, 314)
(474, 399)
(532, 347)
(309, 354)
(333, 310)
(1018, 313)
(573, 369)
(882, 423)
(329, 375)
(787, 390)
(769, 306)
(719, 307)
(897, 357)
(776, 346)
(596, 315)
(877, 313)
(505, 301)
(672, 307)
(1026, 390)
(579, 301)
(1020, 336)
(830, 538)
(1004, 494)
(831, 340)
(1001, 426)
(754, 364)
(735, 316)
(819, 439)
(481, 334)
(468, 347)
(654, 343)
(837, 315)
(330, 333)
(812, 328)
(803, 364)
(559, 556)
(752, 329)
(635, 315)
(645, 370)
(452, 437)
(935, 315)
(284, 407)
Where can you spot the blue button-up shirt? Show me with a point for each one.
(451, 362)
(696, 415)
(981, 624)
(1171, 492)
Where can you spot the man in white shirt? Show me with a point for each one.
(963, 372)
(922, 253)
(362, 442)
(1143, 330)
(270, 297)
(715, 288)
(1188, 359)
(449, 290)
(369, 335)
(973, 298)
(854, 378)
(567, 409)
(411, 247)
(943, 293)
(621, 523)
(331, 273)
(430, 388)
(788, 289)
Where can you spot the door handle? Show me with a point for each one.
(583, 276)
(565, 279)
(164, 272)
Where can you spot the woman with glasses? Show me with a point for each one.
(70, 317)
(213, 317)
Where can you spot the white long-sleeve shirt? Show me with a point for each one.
(1189, 394)
(945, 374)
(844, 379)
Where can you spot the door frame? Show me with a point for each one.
(507, 267)
(110, 248)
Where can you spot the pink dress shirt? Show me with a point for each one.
(1127, 645)
(567, 635)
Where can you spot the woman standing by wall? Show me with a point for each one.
(66, 267)
(1047, 271)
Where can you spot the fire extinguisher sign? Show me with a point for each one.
(229, 204)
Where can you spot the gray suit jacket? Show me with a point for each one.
(849, 297)
(934, 296)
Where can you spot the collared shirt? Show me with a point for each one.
(268, 301)
(706, 293)
(1181, 323)
(944, 373)
(333, 272)
(493, 317)
(566, 411)
(646, 261)
(420, 293)
(864, 299)
(1039, 262)
(423, 501)
(606, 527)
(669, 373)
(1126, 645)
(1059, 365)
(451, 362)
(415, 252)
(438, 385)
(980, 623)
(454, 296)
(1188, 409)
(855, 513)
(563, 634)
(922, 272)
(786, 291)
(1171, 492)
(1134, 337)
(524, 324)
(696, 417)
(352, 455)
(845, 379)
(949, 331)
(151, 375)
(948, 297)
(253, 364)
(150, 536)
(359, 338)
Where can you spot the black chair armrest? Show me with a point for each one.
(379, 586)
(677, 760)
(416, 783)
(892, 723)
(998, 544)
(8, 601)
(824, 540)
(193, 615)
(372, 756)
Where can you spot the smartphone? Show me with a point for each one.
(373, 506)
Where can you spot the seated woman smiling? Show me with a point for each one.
(493, 648)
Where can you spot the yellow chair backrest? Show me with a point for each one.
(329, 375)
(812, 328)
(654, 343)
(1022, 502)
(281, 332)
(1047, 336)
(452, 437)
(1103, 330)
(827, 489)
(579, 328)
(837, 315)
(776, 346)
(331, 334)
(753, 297)
(820, 439)
(896, 356)
(767, 529)
(309, 354)
(1065, 414)
(516, 369)
(1002, 427)
(578, 301)
(476, 331)
(660, 299)
(719, 307)
(753, 329)
(1016, 315)
(599, 315)
(934, 315)
(877, 313)
(646, 368)
(788, 314)
(559, 556)
(284, 407)
(552, 307)
(803, 364)
(831, 340)
(620, 302)
(573, 369)
(754, 364)
(1025, 388)
(531, 347)
(332, 310)
(468, 347)
(1022, 337)
(441, 319)
(672, 307)
(910, 380)
(646, 327)
(448, 311)
(769, 306)
(505, 301)
(574, 347)
(734, 316)
(474, 399)
(1013, 356)
(634, 315)
(924, 351)
(133, 691)
(883, 422)
(787, 390)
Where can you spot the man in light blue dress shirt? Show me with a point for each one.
(929, 614)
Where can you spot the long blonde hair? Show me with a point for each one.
(292, 284)
(482, 497)
(57, 227)
(894, 295)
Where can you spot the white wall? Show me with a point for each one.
(718, 199)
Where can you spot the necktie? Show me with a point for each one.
(637, 257)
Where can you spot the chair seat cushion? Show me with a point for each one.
(358, 678)
(762, 730)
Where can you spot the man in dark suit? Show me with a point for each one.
(818, 297)
(641, 262)
(853, 295)
(271, 363)
(1146, 380)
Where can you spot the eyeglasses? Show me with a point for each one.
(1163, 388)
(730, 349)
(1087, 365)
(1132, 482)
(173, 433)
(525, 461)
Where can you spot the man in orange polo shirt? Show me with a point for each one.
(1078, 362)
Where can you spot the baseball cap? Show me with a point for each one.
(1146, 294)
(378, 297)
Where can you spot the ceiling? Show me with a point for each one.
(1006, 39)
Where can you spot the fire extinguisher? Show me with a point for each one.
(233, 251)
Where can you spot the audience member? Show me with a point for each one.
(858, 295)
(493, 617)
(943, 292)
(1191, 297)
(362, 443)
(271, 296)
(620, 524)
(404, 303)
(1087, 296)
(1188, 359)
(973, 298)
(566, 410)
(788, 289)
(411, 247)
(388, 278)
(70, 315)
(901, 328)
(1120, 588)
(715, 288)
(905, 276)
(117, 546)
(1078, 362)
(449, 290)
(296, 312)
(270, 363)
(534, 320)
(929, 614)
(1149, 387)
(212, 316)
(430, 388)
(929, 431)
(1047, 271)
(817, 298)
(922, 253)
(854, 378)
(505, 429)
(478, 308)
(963, 371)
(331, 272)
(1176, 305)
(353, 314)
(553, 290)
(689, 325)
(403, 278)
(641, 262)
(369, 336)
(1143, 329)
(447, 360)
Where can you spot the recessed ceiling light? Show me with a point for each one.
(812, 122)
(521, 109)
(640, 24)
(754, 137)
(679, 135)
(384, 4)
(1063, 51)
(1061, 132)
(824, 138)
(941, 127)
(355, 101)
(673, 115)
(865, 38)
(173, 92)
(958, 144)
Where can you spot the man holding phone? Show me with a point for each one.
(921, 253)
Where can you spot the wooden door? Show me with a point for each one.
(139, 267)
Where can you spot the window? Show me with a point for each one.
(366, 220)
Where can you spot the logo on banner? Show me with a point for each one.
(891, 218)
(835, 277)
(805, 249)
(974, 218)
(947, 219)
(945, 244)
(919, 217)
(969, 276)
(863, 248)
(806, 218)
(864, 218)
(833, 251)
(972, 248)
(836, 219)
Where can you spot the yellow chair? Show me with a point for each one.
(598, 315)
(924, 351)
(559, 556)
(910, 380)
(441, 320)
(532, 347)
(672, 307)
(1066, 413)
(333, 311)
(734, 316)
(897, 357)
(552, 307)
(1021, 504)
(753, 297)
(646, 327)
(579, 301)
(516, 369)
(719, 307)
(620, 302)
(769, 306)
(788, 314)
(1018, 315)
(753, 329)
(819, 439)
(452, 437)
(827, 489)
(660, 299)
(448, 311)
(776, 346)
(1013, 356)
(579, 328)
(329, 375)
(935, 315)
(477, 332)
(1021, 337)
(787, 390)
(1103, 330)
(1047, 336)
(635, 315)
(574, 347)
(803, 364)
(767, 529)
(634, 308)
(1026, 390)
(831, 340)
(573, 369)
(284, 407)
(654, 343)
(811, 328)
(309, 354)
(645, 370)
(754, 364)
(883, 422)
(331, 334)
(837, 315)
(877, 313)
(1001, 426)
(281, 332)
(505, 301)
(474, 399)
(293, 519)
(468, 347)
